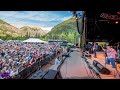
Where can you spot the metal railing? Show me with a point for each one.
(23, 74)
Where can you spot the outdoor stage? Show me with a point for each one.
(75, 67)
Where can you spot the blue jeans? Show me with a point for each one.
(112, 60)
(94, 52)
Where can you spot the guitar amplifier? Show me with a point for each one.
(52, 74)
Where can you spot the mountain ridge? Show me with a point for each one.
(8, 29)
(66, 30)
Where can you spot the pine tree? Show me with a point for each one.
(36, 35)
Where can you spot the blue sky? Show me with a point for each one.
(43, 19)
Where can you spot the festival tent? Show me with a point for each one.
(35, 40)
(1, 40)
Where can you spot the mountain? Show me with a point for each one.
(9, 30)
(66, 30)
(32, 31)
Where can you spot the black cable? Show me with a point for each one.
(91, 69)
(95, 73)
(66, 70)
(25, 18)
(10, 16)
(86, 69)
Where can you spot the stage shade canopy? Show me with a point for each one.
(34, 40)
(103, 25)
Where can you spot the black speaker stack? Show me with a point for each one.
(52, 74)
(101, 68)
(39, 74)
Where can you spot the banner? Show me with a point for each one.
(109, 16)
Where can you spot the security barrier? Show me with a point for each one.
(24, 73)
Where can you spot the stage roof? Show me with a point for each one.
(103, 24)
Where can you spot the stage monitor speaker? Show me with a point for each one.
(95, 63)
(39, 74)
(101, 68)
(65, 55)
(52, 74)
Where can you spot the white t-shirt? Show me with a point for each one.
(57, 61)
(12, 73)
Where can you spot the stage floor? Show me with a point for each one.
(75, 67)
(101, 59)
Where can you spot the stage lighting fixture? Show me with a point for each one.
(118, 12)
(116, 22)
(76, 18)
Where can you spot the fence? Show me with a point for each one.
(22, 74)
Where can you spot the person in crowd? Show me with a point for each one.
(4, 74)
(111, 56)
(13, 72)
(95, 48)
(57, 61)
(118, 52)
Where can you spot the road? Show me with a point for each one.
(75, 67)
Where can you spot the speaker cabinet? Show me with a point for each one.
(39, 74)
(101, 68)
(52, 74)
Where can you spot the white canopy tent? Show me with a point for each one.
(35, 40)
(1, 40)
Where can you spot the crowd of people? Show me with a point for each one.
(92, 48)
(14, 55)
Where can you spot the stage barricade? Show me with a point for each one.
(22, 74)
(16, 77)
(42, 62)
(25, 72)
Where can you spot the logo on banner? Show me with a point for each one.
(109, 16)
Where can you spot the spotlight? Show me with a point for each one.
(118, 12)
(116, 22)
